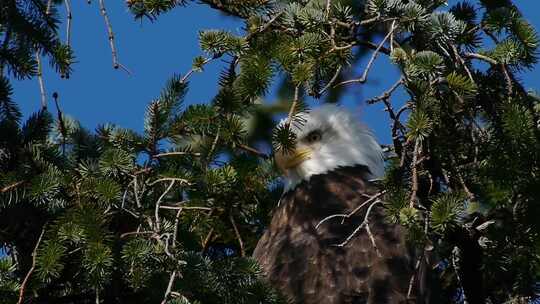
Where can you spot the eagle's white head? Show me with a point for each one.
(327, 138)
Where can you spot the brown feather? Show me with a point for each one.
(307, 266)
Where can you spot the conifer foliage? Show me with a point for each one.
(171, 214)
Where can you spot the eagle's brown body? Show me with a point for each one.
(307, 266)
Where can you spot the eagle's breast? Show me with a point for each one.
(305, 262)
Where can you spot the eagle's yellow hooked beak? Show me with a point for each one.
(286, 160)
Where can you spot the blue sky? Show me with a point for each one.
(96, 94)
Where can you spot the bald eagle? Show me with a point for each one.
(328, 241)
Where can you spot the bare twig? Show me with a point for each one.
(186, 208)
(29, 273)
(168, 179)
(372, 239)
(363, 78)
(345, 216)
(116, 64)
(481, 57)
(470, 195)
(253, 151)
(364, 224)
(136, 191)
(158, 204)
(327, 8)
(294, 104)
(509, 84)
(370, 20)
(11, 186)
(169, 287)
(264, 27)
(413, 277)
(462, 62)
(68, 23)
(178, 153)
(151, 233)
(207, 239)
(49, 6)
(374, 46)
(331, 82)
(175, 232)
(40, 81)
(386, 94)
(192, 70)
(61, 123)
(238, 236)
(414, 173)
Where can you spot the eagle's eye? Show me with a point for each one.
(314, 136)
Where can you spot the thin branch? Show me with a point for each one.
(462, 62)
(414, 173)
(345, 216)
(176, 223)
(152, 233)
(264, 27)
(469, 193)
(207, 239)
(192, 70)
(61, 123)
(136, 191)
(168, 179)
(372, 239)
(29, 273)
(40, 81)
(158, 204)
(169, 287)
(179, 153)
(363, 78)
(509, 84)
(331, 82)
(68, 23)
(238, 236)
(386, 94)
(370, 20)
(293, 105)
(9, 187)
(374, 46)
(252, 151)
(49, 6)
(413, 277)
(186, 208)
(481, 57)
(214, 143)
(365, 225)
(327, 8)
(110, 32)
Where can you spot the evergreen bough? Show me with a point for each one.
(171, 214)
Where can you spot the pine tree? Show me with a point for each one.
(172, 214)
